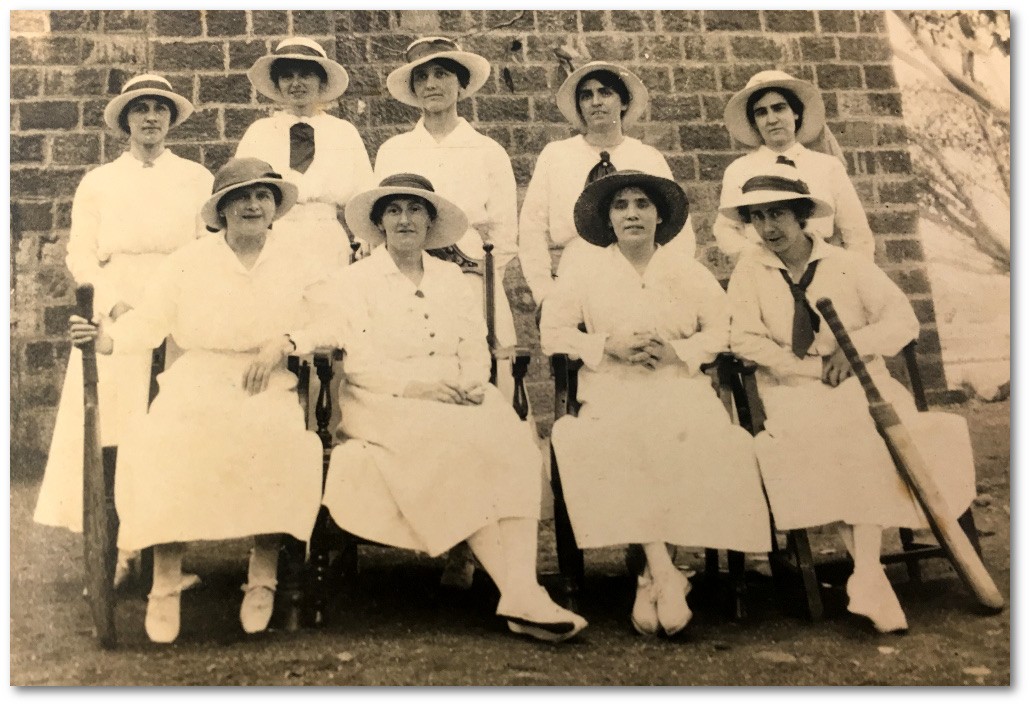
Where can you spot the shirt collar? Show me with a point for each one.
(285, 118)
(131, 160)
(820, 250)
(460, 133)
(382, 263)
(792, 152)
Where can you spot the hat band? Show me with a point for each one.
(775, 183)
(147, 83)
(298, 49)
(407, 181)
(246, 179)
(429, 47)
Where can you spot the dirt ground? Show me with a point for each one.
(393, 625)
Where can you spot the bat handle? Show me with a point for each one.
(84, 308)
(488, 294)
(825, 307)
(84, 301)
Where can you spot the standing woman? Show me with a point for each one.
(464, 165)
(602, 100)
(322, 155)
(223, 452)
(127, 217)
(779, 115)
(652, 458)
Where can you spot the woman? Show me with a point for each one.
(652, 457)
(465, 166)
(223, 452)
(779, 115)
(435, 455)
(322, 155)
(127, 217)
(602, 100)
(821, 457)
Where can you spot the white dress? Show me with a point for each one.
(821, 458)
(339, 170)
(209, 460)
(546, 225)
(826, 177)
(474, 172)
(415, 473)
(652, 455)
(126, 219)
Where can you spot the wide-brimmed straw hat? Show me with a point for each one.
(425, 49)
(591, 211)
(447, 228)
(566, 96)
(141, 86)
(238, 173)
(812, 121)
(771, 183)
(301, 49)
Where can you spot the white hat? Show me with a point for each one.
(771, 183)
(425, 49)
(238, 173)
(812, 121)
(566, 96)
(447, 228)
(146, 85)
(301, 49)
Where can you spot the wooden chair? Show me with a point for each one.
(795, 560)
(328, 538)
(100, 518)
(571, 566)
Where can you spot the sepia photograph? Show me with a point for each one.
(504, 347)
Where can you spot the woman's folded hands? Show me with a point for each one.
(448, 391)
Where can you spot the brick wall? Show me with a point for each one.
(65, 65)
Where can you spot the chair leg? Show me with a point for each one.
(738, 587)
(711, 564)
(802, 550)
(908, 543)
(968, 525)
(318, 571)
(570, 556)
(289, 593)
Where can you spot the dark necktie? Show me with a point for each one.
(783, 160)
(302, 146)
(806, 321)
(601, 169)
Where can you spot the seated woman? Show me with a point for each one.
(223, 452)
(821, 457)
(434, 455)
(652, 457)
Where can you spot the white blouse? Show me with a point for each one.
(826, 177)
(676, 298)
(394, 331)
(204, 297)
(340, 168)
(127, 208)
(546, 219)
(468, 168)
(873, 309)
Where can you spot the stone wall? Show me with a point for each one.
(65, 66)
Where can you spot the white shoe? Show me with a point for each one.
(645, 612)
(162, 621)
(533, 613)
(671, 602)
(256, 609)
(870, 594)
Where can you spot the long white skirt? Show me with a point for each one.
(211, 462)
(823, 460)
(659, 461)
(426, 475)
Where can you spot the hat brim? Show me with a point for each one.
(260, 75)
(113, 111)
(209, 211)
(754, 198)
(447, 228)
(812, 122)
(638, 94)
(398, 83)
(591, 214)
